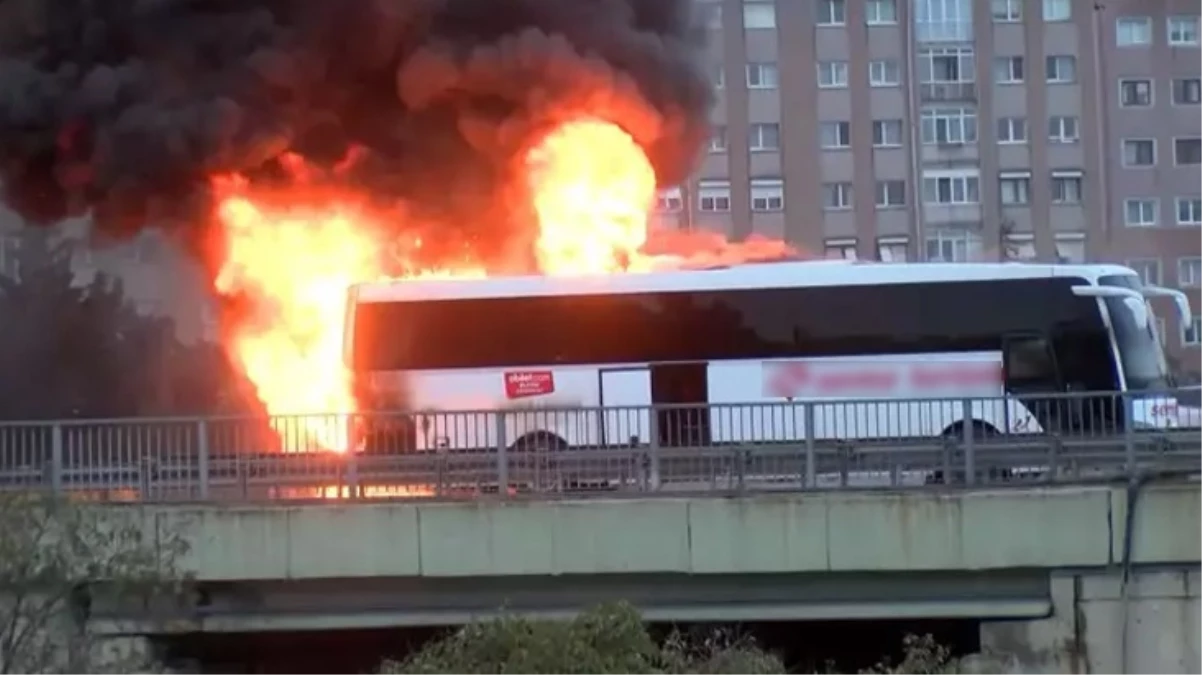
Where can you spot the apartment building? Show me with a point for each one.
(1054, 130)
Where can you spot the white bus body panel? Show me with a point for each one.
(748, 402)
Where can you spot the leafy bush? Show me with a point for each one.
(612, 638)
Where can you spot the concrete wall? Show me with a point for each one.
(1098, 627)
(1077, 534)
(814, 532)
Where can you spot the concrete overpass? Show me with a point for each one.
(1045, 565)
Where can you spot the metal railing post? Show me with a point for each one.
(970, 450)
(352, 474)
(202, 459)
(56, 458)
(502, 445)
(811, 469)
(653, 450)
(1129, 434)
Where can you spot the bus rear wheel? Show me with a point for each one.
(539, 441)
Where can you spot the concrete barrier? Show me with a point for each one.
(803, 532)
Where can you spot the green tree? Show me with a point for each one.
(56, 557)
(75, 348)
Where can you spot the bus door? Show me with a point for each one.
(681, 391)
(628, 392)
(1034, 374)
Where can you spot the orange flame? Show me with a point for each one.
(295, 252)
(592, 187)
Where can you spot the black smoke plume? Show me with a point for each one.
(124, 108)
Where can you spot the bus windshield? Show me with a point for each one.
(1135, 333)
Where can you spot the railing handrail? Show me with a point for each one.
(783, 445)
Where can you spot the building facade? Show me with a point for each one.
(946, 130)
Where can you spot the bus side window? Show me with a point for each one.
(1029, 364)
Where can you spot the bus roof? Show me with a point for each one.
(749, 276)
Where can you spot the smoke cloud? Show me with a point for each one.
(123, 110)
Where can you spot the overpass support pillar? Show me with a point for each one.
(1047, 645)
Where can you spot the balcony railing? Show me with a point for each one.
(947, 92)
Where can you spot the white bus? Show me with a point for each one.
(600, 349)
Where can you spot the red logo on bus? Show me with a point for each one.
(525, 383)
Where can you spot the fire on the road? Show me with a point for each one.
(296, 251)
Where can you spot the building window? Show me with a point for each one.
(943, 20)
(1135, 93)
(1189, 272)
(893, 249)
(1066, 187)
(1140, 212)
(840, 249)
(759, 15)
(831, 13)
(880, 12)
(953, 245)
(1139, 152)
(1070, 247)
(1015, 188)
(767, 194)
(832, 74)
(1187, 151)
(1062, 69)
(947, 65)
(1019, 246)
(1012, 130)
(718, 138)
(890, 194)
(1148, 270)
(669, 200)
(1133, 31)
(763, 136)
(1187, 91)
(1189, 211)
(719, 77)
(762, 75)
(951, 188)
(711, 13)
(1057, 10)
(949, 126)
(713, 196)
(1008, 70)
(1192, 332)
(886, 133)
(1007, 11)
(1183, 31)
(836, 196)
(884, 73)
(1063, 129)
(834, 135)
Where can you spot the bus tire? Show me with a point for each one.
(539, 441)
(979, 430)
(955, 432)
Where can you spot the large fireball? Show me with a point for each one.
(592, 186)
(295, 252)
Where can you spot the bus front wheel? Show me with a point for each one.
(954, 434)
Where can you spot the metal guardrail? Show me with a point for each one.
(908, 444)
